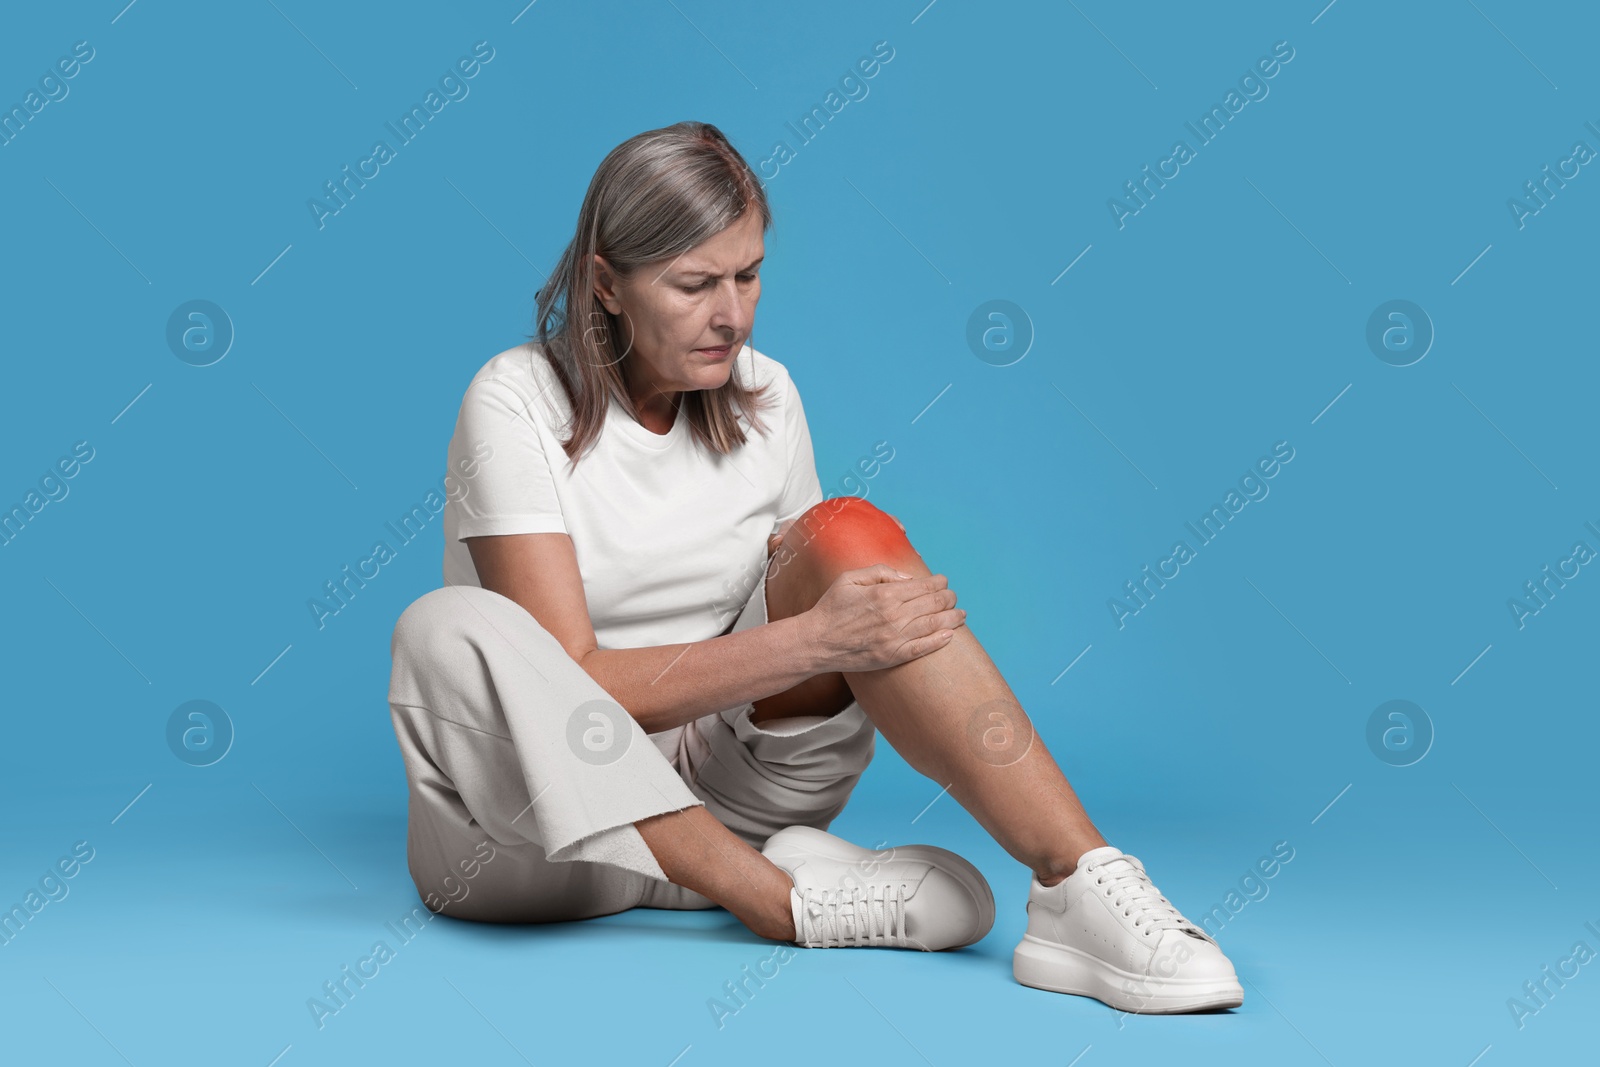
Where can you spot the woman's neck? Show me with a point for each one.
(658, 410)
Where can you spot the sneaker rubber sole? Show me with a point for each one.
(809, 841)
(1063, 969)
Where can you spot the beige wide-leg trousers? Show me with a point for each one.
(526, 778)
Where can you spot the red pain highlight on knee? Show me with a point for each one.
(849, 529)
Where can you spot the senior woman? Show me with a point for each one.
(660, 658)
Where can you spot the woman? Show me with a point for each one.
(639, 525)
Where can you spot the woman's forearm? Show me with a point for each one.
(663, 686)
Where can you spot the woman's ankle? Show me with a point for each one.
(1059, 866)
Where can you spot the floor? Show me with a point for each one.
(214, 946)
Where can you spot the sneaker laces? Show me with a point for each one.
(1128, 888)
(874, 916)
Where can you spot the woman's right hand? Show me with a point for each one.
(872, 618)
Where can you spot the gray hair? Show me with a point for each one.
(654, 197)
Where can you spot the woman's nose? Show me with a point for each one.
(732, 308)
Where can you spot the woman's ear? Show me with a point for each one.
(605, 286)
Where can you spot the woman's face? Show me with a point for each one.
(676, 312)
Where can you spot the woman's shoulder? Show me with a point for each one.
(764, 370)
(516, 366)
(526, 372)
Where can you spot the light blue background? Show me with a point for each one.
(1226, 316)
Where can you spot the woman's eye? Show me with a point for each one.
(708, 283)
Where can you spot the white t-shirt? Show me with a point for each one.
(671, 539)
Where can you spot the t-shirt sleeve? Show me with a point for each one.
(513, 491)
(801, 489)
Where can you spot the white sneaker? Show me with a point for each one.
(1106, 932)
(908, 896)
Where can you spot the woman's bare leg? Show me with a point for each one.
(949, 713)
(941, 711)
(697, 852)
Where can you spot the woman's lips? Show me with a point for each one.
(716, 353)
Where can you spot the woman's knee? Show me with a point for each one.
(436, 625)
(854, 529)
(839, 534)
